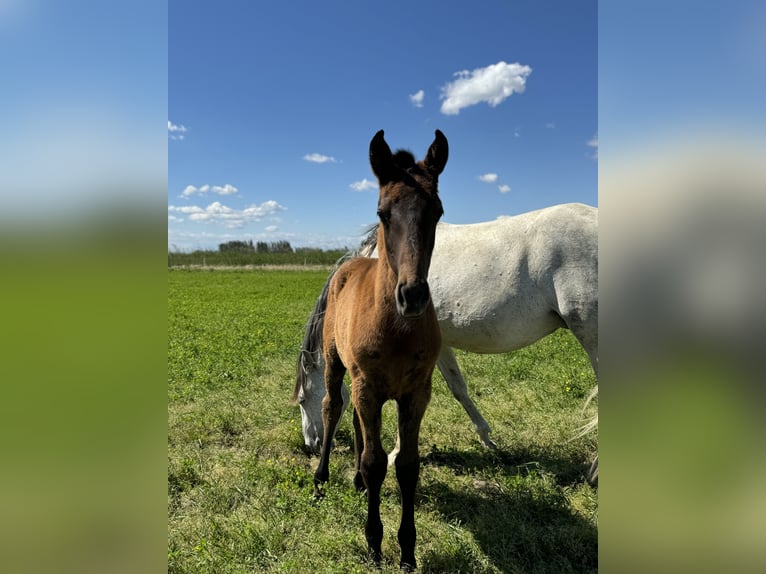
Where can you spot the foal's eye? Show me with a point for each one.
(384, 217)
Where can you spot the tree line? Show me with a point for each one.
(256, 253)
(259, 247)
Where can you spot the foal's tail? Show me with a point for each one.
(311, 349)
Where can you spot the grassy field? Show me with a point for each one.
(240, 483)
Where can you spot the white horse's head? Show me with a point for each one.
(310, 391)
(309, 397)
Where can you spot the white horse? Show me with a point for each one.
(496, 286)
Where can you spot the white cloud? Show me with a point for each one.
(190, 190)
(593, 142)
(319, 158)
(492, 84)
(185, 209)
(176, 128)
(417, 98)
(226, 189)
(363, 185)
(176, 132)
(174, 219)
(219, 213)
(272, 228)
(492, 178)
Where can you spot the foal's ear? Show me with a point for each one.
(436, 158)
(381, 159)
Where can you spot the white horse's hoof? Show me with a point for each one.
(484, 436)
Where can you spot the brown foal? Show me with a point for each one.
(380, 325)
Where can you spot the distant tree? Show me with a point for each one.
(280, 247)
(261, 247)
(236, 247)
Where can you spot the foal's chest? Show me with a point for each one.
(398, 364)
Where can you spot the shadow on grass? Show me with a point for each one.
(512, 516)
(519, 530)
(567, 468)
(519, 517)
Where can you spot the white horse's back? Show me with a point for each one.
(501, 285)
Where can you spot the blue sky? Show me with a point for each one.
(675, 73)
(88, 89)
(83, 106)
(271, 107)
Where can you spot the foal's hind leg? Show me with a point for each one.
(411, 410)
(332, 409)
(358, 446)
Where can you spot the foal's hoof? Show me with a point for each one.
(374, 557)
(318, 491)
(359, 482)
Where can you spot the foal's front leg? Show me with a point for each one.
(411, 410)
(372, 464)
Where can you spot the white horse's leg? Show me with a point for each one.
(586, 332)
(451, 372)
(392, 455)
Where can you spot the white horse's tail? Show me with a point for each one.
(592, 424)
(587, 428)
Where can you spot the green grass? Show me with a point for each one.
(240, 484)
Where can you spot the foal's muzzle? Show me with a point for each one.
(412, 298)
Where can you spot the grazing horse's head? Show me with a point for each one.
(409, 209)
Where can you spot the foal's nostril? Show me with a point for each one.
(412, 299)
(400, 299)
(418, 293)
